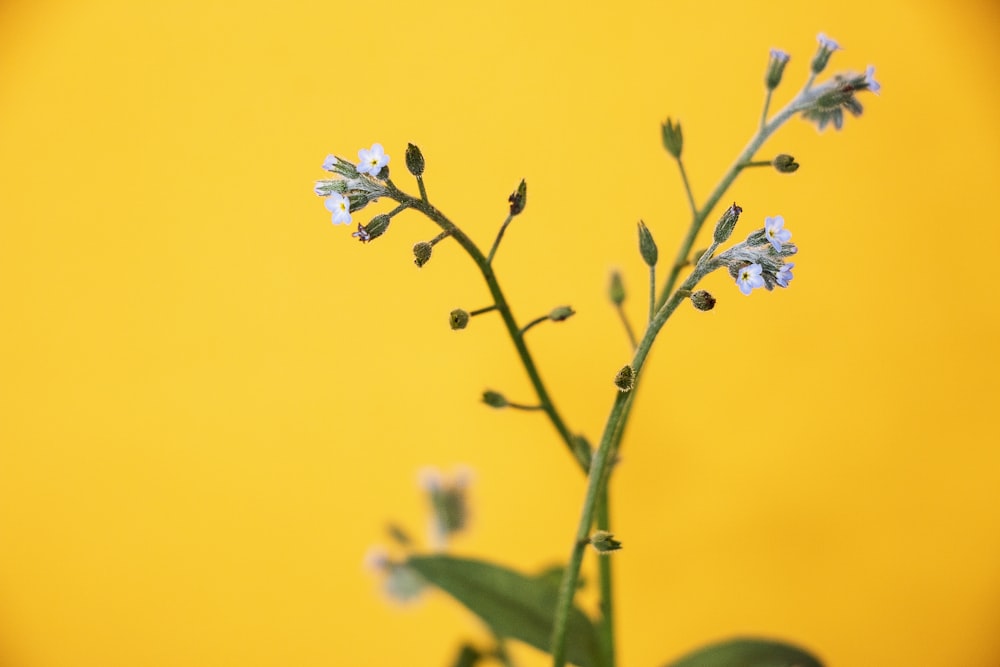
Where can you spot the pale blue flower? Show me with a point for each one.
(779, 56)
(784, 274)
(827, 43)
(774, 232)
(371, 160)
(330, 163)
(750, 278)
(340, 207)
(873, 85)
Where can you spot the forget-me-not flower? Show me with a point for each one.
(873, 85)
(784, 274)
(372, 160)
(774, 232)
(750, 278)
(340, 207)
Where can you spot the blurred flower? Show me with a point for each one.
(784, 274)
(338, 205)
(873, 85)
(372, 160)
(775, 234)
(750, 278)
(775, 68)
(449, 505)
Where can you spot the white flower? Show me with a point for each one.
(371, 160)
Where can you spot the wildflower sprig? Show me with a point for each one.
(759, 261)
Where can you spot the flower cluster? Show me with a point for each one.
(357, 186)
(831, 99)
(759, 261)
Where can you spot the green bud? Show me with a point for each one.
(422, 253)
(616, 291)
(724, 228)
(625, 379)
(414, 160)
(561, 313)
(459, 319)
(775, 68)
(494, 399)
(673, 138)
(604, 542)
(647, 247)
(702, 300)
(373, 229)
(826, 48)
(785, 164)
(518, 198)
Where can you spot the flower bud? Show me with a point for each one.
(826, 48)
(422, 253)
(673, 138)
(494, 399)
(785, 164)
(724, 228)
(383, 174)
(373, 229)
(775, 68)
(647, 247)
(702, 300)
(616, 291)
(414, 160)
(604, 542)
(561, 313)
(518, 198)
(625, 379)
(459, 319)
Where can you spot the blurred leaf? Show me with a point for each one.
(748, 653)
(467, 656)
(511, 604)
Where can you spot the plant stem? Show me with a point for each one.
(496, 242)
(544, 400)
(606, 622)
(687, 187)
(597, 479)
(628, 327)
(537, 320)
(652, 293)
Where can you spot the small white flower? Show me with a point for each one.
(340, 207)
(873, 85)
(750, 278)
(371, 160)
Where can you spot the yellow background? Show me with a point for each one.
(212, 400)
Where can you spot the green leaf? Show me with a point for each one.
(748, 653)
(511, 604)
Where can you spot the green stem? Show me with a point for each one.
(487, 309)
(496, 242)
(767, 105)
(423, 190)
(687, 187)
(537, 320)
(597, 479)
(545, 401)
(522, 406)
(606, 622)
(628, 327)
(652, 293)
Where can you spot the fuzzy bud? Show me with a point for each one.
(494, 399)
(561, 313)
(647, 246)
(422, 253)
(414, 160)
(459, 319)
(625, 379)
(604, 542)
(373, 229)
(518, 198)
(775, 68)
(702, 300)
(785, 164)
(616, 290)
(673, 138)
(724, 228)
